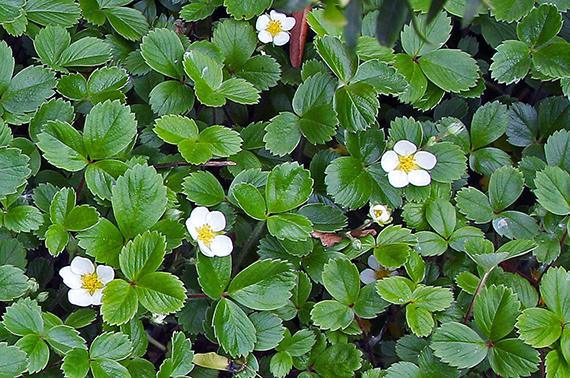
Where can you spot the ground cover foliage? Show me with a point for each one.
(200, 188)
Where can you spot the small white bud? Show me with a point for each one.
(455, 128)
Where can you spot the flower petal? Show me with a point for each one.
(262, 22)
(265, 37)
(222, 245)
(105, 273)
(96, 298)
(425, 159)
(398, 179)
(191, 229)
(419, 177)
(81, 265)
(70, 279)
(79, 297)
(198, 216)
(389, 161)
(367, 276)
(281, 38)
(373, 263)
(216, 220)
(205, 250)
(288, 23)
(277, 15)
(405, 148)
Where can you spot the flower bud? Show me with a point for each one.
(380, 214)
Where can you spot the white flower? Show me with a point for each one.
(206, 228)
(274, 28)
(375, 272)
(406, 165)
(380, 214)
(157, 318)
(86, 282)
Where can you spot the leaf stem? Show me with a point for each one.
(211, 163)
(479, 287)
(156, 343)
(374, 340)
(366, 340)
(248, 244)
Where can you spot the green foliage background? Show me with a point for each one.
(119, 117)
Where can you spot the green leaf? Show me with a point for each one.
(338, 361)
(81, 318)
(458, 345)
(450, 162)
(86, 52)
(171, 97)
(317, 90)
(451, 70)
(197, 11)
(325, 218)
(552, 188)
(397, 290)
(495, 311)
(76, 363)
(289, 226)
(102, 175)
(72, 86)
(129, 23)
(434, 33)
(261, 70)
(513, 358)
(214, 274)
(53, 12)
(418, 84)
(555, 292)
(487, 160)
(23, 218)
(62, 146)
(174, 129)
(106, 368)
(13, 284)
(14, 170)
(333, 315)
(220, 140)
(338, 57)
(139, 200)
(510, 10)
(468, 282)
(341, 279)
(264, 285)
(163, 51)
(432, 298)
(523, 125)
(280, 364)
(234, 331)
(109, 129)
(505, 186)
(475, 205)
(37, 350)
(236, 39)
(81, 218)
(288, 186)
(556, 365)
(557, 149)
(553, 60)
(12, 252)
(63, 338)
(357, 106)
(142, 255)
(56, 239)
(23, 318)
(250, 200)
(113, 346)
(244, 9)
(203, 189)
(14, 360)
(50, 44)
(10, 11)
(238, 90)
(120, 302)
(404, 370)
(540, 25)
(419, 319)
(511, 62)
(161, 292)
(284, 133)
(430, 244)
(384, 78)
(103, 241)
(180, 362)
(348, 182)
(61, 205)
(441, 217)
(28, 90)
(489, 122)
(269, 330)
(539, 327)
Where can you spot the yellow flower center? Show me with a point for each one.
(378, 213)
(205, 234)
(91, 282)
(274, 27)
(382, 273)
(407, 164)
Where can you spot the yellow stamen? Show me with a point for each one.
(382, 273)
(205, 234)
(91, 282)
(378, 213)
(407, 164)
(274, 27)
